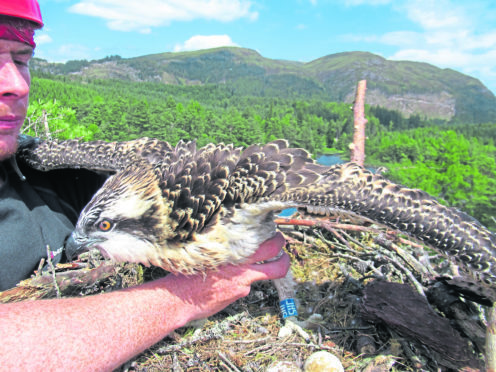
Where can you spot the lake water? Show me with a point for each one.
(329, 159)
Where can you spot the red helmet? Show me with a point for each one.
(26, 9)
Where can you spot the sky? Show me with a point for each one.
(455, 34)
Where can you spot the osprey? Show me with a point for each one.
(189, 209)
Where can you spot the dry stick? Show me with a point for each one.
(366, 264)
(328, 225)
(40, 266)
(230, 365)
(382, 240)
(176, 367)
(359, 121)
(52, 269)
(254, 341)
(42, 286)
(418, 286)
(395, 249)
(332, 226)
(45, 122)
(339, 237)
(215, 333)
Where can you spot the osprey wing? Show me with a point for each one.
(47, 155)
(352, 188)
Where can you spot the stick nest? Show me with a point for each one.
(382, 304)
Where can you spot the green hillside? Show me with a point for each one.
(454, 162)
(409, 87)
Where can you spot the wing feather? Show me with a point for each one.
(205, 183)
(47, 155)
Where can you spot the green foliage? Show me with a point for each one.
(460, 171)
(50, 119)
(485, 133)
(241, 72)
(124, 111)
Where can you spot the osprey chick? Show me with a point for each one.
(188, 210)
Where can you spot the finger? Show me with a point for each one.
(270, 270)
(268, 249)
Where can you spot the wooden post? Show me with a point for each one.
(491, 339)
(359, 121)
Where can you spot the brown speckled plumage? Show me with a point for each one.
(196, 205)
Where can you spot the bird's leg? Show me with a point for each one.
(287, 301)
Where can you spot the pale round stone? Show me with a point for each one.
(323, 361)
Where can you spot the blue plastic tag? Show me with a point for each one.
(288, 308)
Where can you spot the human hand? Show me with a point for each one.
(123, 323)
(209, 294)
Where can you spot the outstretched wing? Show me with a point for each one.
(204, 182)
(351, 188)
(47, 155)
(276, 172)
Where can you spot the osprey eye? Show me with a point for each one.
(105, 225)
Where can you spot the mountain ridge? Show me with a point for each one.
(409, 87)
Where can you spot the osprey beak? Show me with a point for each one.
(75, 245)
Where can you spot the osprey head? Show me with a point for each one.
(126, 219)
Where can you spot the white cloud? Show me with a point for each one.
(401, 38)
(132, 15)
(366, 2)
(198, 42)
(438, 14)
(452, 34)
(42, 39)
(74, 51)
(441, 57)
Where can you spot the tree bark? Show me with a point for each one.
(358, 145)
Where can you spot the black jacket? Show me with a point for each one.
(38, 212)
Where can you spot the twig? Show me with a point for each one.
(323, 224)
(260, 348)
(41, 286)
(405, 256)
(40, 266)
(294, 325)
(45, 122)
(255, 341)
(229, 363)
(52, 269)
(176, 367)
(364, 263)
(336, 245)
(408, 273)
(215, 333)
(338, 235)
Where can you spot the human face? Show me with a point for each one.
(14, 92)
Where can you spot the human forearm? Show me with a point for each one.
(103, 331)
(92, 333)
